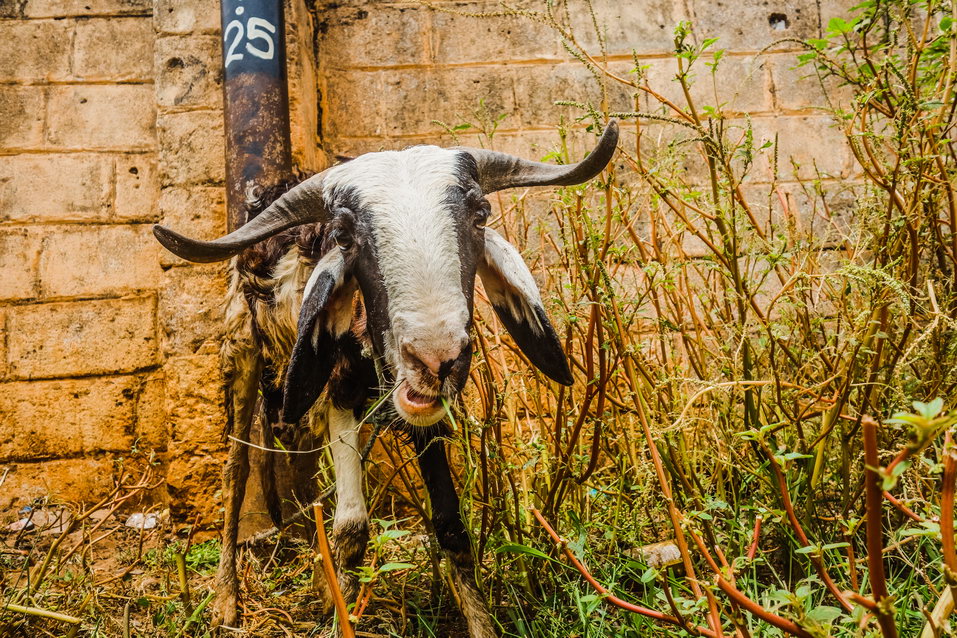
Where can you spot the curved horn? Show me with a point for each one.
(302, 204)
(498, 171)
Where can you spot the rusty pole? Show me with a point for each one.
(256, 103)
(256, 100)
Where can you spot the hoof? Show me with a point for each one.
(225, 609)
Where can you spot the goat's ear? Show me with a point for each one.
(517, 302)
(312, 357)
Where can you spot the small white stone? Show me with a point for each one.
(141, 521)
(23, 523)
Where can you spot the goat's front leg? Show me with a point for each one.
(452, 535)
(350, 527)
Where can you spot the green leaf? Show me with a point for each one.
(810, 549)
(837, 25)
(392, 534)
(824, 614)
(515, 548)
(929, 410)
(391, 567)
(835, 546)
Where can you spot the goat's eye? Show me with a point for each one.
(343, 240)
(481, 215)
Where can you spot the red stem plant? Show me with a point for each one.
(748, 333)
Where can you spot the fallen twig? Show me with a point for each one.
(325, 555)
(43, 613)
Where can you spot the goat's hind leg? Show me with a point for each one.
(243, 369)
(452, 536)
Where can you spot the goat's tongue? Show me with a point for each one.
(417, 399)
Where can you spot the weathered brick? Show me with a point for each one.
(189, 72)
(108, 336)
(3, 343)
(137, 188)
(198, 211)
(194, 483)
(42, 50)
(407, 101)
(739, 85)
(191, 148)
(22, 111)
(70, 480)
(303, 94)
(150, 429)
(351, 36)
(838, 9)
(753, 26)
(186, 16)
(191, 307)
(19, 254)
(457, 38)
(194, 403)
(536, 89)
(69, 8)
(50, 419)
(74, 187)
(822, 214)
(815, 145)
(626, 27)
(114, 49)
(98, 260)
(102, 116)
(798, 88)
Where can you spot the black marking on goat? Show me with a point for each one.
(311, 363)
(365, 266)
(349, 542)
(543, 350)
(449, 529)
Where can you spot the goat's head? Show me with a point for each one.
(408, 229)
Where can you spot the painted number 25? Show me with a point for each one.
(255, 29)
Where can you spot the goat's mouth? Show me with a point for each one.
(417, 407)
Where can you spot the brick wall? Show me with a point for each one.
(111, 120)
(425, 65)
(79, 361)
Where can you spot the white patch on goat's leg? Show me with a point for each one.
(350, 527)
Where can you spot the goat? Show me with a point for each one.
(373, 263)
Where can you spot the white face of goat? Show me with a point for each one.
(408, 229)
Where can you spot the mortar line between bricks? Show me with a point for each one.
(57, 150)
(70, 151)
(616, 57)
(757, 115)
(188, 109)
(84, 375)
(104, 375)
(77, 82)
(130, 295)
(85, 16)
(27, 224)
(92, 454)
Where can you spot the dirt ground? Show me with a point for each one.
(112, 570)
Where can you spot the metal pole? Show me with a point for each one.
(256, 100)
(256, 104)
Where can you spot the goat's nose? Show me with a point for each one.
(437, 361)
